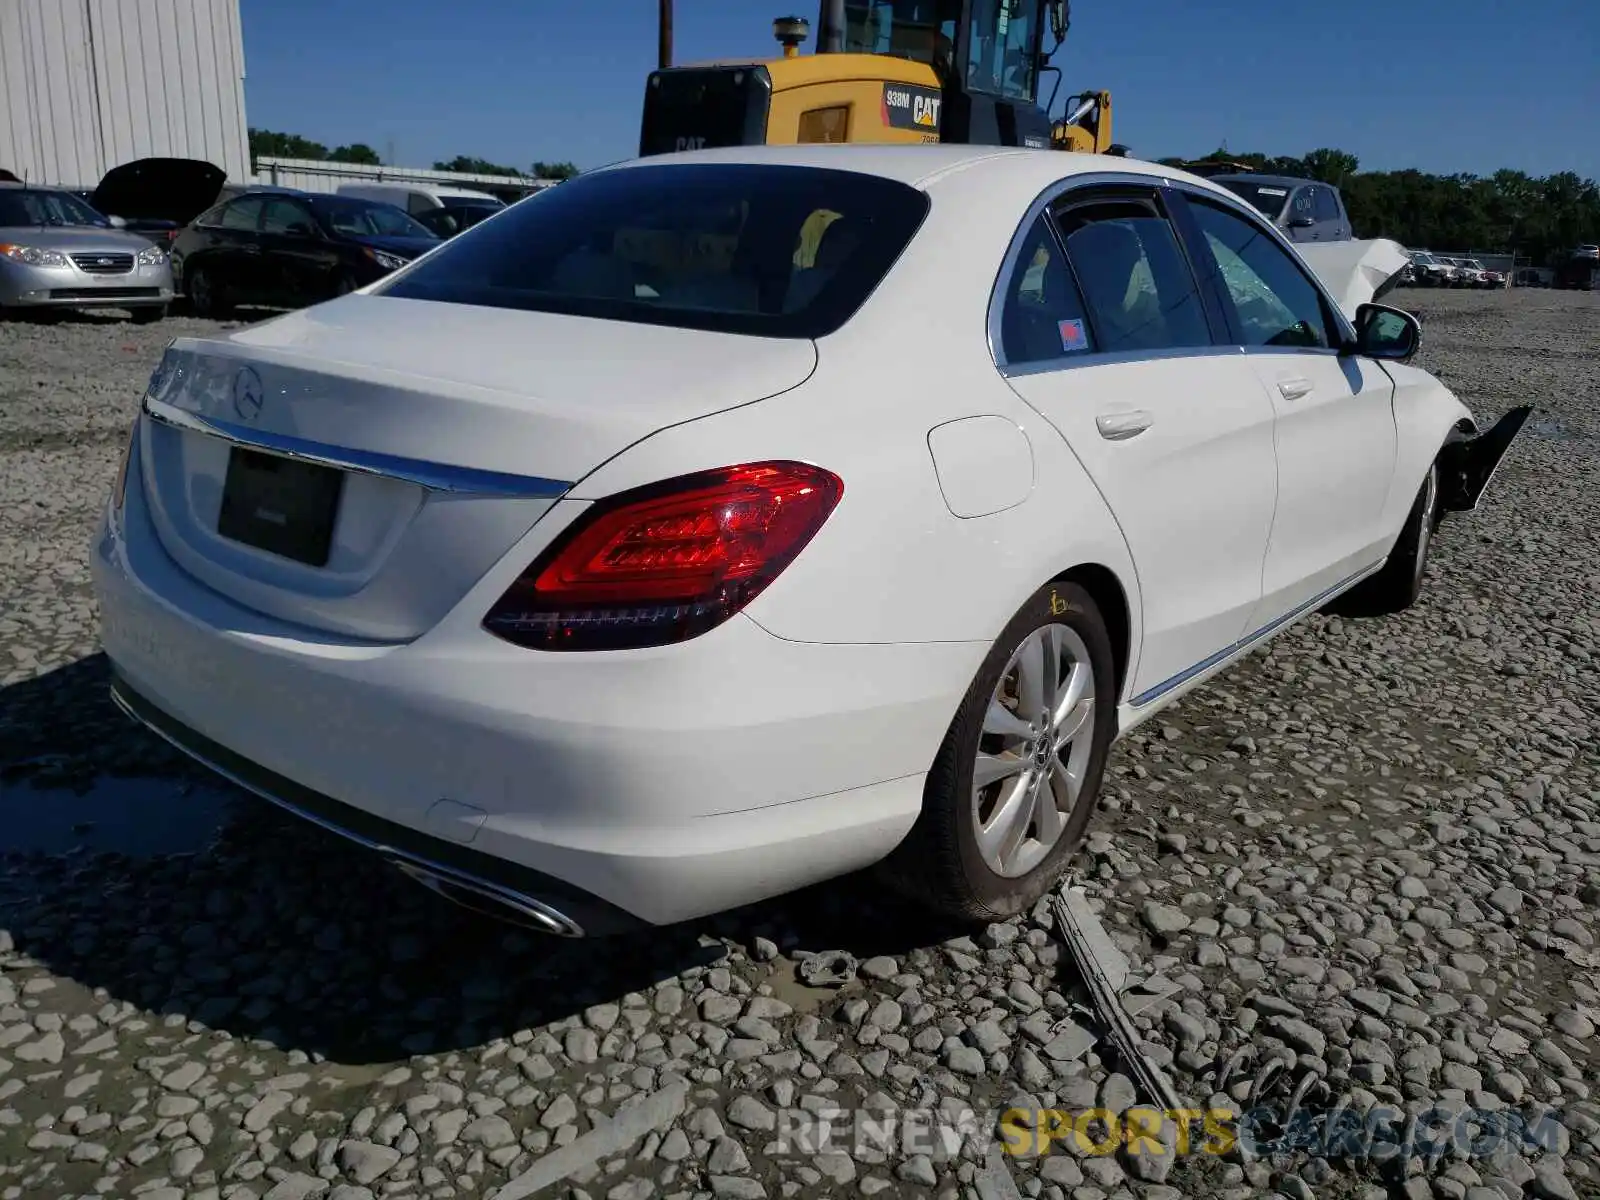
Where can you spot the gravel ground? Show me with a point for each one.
(1371, 850)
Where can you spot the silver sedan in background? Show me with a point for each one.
(58, 252)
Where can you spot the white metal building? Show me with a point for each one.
(86, 85)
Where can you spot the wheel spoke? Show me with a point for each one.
(1074, 722)
(1073, 690)
(1066, 782)
(1002, 834)
(1001, 721)
(1035, 677)
(990, 768)
(1047, 810)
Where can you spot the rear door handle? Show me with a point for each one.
(1119, 427)
(1295, 387)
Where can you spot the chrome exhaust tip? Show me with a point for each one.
(489, 900)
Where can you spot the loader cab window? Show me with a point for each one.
(1002, 47)
(921, 30)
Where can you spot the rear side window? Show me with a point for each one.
(775, 251)
(1043, 315)
(1325, 206)
(1136, 282)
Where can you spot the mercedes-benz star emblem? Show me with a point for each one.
(248, 394)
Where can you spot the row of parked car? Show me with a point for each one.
(157, 231)
(1437, 270)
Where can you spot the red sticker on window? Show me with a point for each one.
(1073, 336)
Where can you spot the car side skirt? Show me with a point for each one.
(1154, 699)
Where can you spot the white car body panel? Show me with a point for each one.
(1193, 495)
(1354, 271)
(790, 743)
(985, 464)
(1335, 440)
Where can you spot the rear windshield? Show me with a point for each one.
(776, 251)
(1267, 198)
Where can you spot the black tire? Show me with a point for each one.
(206, 299)
(1396, 588)
(939, 864)
(149, 314)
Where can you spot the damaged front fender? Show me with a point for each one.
(1469, 458)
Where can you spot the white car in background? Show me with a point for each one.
(729, 521)
(1429, 270)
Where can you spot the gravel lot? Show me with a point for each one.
(1373, 847)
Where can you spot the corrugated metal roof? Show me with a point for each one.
(86, 85)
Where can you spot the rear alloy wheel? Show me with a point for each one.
(1011, 792)
(204, 298)
(1396, 588)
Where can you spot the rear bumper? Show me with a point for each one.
(652, 786)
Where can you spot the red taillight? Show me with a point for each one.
(667, 562)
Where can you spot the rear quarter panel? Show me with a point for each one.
(893, 563)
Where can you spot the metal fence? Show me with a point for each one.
(313, 175)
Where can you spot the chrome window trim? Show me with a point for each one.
(1221, 197)
(435, 477)
(1095, 358)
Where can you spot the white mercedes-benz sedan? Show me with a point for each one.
(719, 523)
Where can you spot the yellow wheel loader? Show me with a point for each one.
(886, 71)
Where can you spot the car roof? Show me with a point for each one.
(1021, 173)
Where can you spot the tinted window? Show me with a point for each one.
(1300, 206)
(285, 216)
(241, 214)
(1138, 287)
(1325, 206)
(1000, 55)
(1043, 314)
(779, 251)
(1275, 302)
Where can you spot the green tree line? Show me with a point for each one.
(1539, 217)
(269, 144)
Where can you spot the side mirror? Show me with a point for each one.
(299, 229)
(117, 222)
(1388, 333)
(1302, 222)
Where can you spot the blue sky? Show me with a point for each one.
(1442, 85)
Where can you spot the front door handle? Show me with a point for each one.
(1119, 427)
(1294, 388)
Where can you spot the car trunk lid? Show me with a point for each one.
(450, 431)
